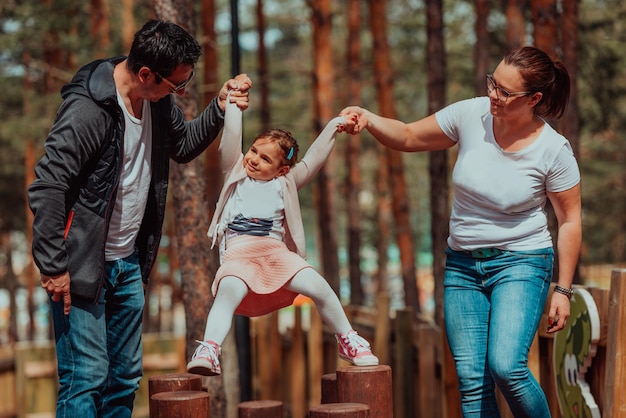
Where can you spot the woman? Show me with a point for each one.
(500, 253)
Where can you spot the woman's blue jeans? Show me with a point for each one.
(492, 308)
(99, 346)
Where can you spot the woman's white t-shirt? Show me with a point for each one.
(499, 196)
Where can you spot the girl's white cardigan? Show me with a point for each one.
(231, 156)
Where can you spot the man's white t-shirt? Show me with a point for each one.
(134, 185)
(499, 197)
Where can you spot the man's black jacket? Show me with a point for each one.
(76, 181)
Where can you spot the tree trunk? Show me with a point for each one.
(323, 87)
(544, 21)
(569, 41)
(29, 177)
(191, 209)
(128, 23)
(570, 125)
(439, 195)
(397, 184)
(481, 48)
(353, 153)
(544, 15)
(264, 80)
(99, 27)
(9, 281)
(515, 24)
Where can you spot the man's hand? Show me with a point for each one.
(58, 287)
(238, 88)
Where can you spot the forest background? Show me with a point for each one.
(372, 216)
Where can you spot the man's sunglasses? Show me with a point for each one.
(173, 87)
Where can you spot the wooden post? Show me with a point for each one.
(329, 388)
(180, 404)
(382, 328)
(404, 400)
(173, 382)
(298, 368)
(371, 385)
(340, 410)
(614, 393)
(429, 383)
(261, 409)
(315, 347)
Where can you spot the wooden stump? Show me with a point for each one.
(370, 385)
(261, 409)
(180, 404)
(173, 382)
(340, 410)
(329, 388)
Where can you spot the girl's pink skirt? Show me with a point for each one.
(266, 266)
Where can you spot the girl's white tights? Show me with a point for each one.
(308, 282)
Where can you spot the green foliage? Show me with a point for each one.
(602, 95)
(34, 28)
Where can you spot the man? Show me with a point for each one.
(99, 201)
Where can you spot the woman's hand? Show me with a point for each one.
(559, 312)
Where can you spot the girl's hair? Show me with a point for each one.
(286, 142)
(162, 47)
(541, 74)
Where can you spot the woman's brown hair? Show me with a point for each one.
(541, 74)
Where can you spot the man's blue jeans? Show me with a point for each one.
(99, 346)
(492, 309)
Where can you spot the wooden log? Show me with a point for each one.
(261, 409)
(382, 328)
(180, 404)
(340, 410)
(298, 368)
(173, 382)
(370, 385)
(315, 346)
(404, 400)
(614, 401)
(329, 388)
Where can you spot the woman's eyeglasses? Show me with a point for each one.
(501, 93)
(173, 87)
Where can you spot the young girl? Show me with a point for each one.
(259, 228)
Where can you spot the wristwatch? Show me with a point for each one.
(567, 292)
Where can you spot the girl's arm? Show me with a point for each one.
(230, 148)
(317, 154)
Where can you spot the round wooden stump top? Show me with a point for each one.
(340, 410)
(261, 409)
(180, 404)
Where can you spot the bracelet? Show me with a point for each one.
(567, 292)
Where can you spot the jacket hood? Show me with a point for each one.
(95, 80)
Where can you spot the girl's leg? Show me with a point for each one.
(352, 347)
(230, 293)
(310, 283)
(205, 360)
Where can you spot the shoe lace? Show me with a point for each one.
(206, 349)
(355, 342)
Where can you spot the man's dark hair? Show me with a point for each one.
(162, 47)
